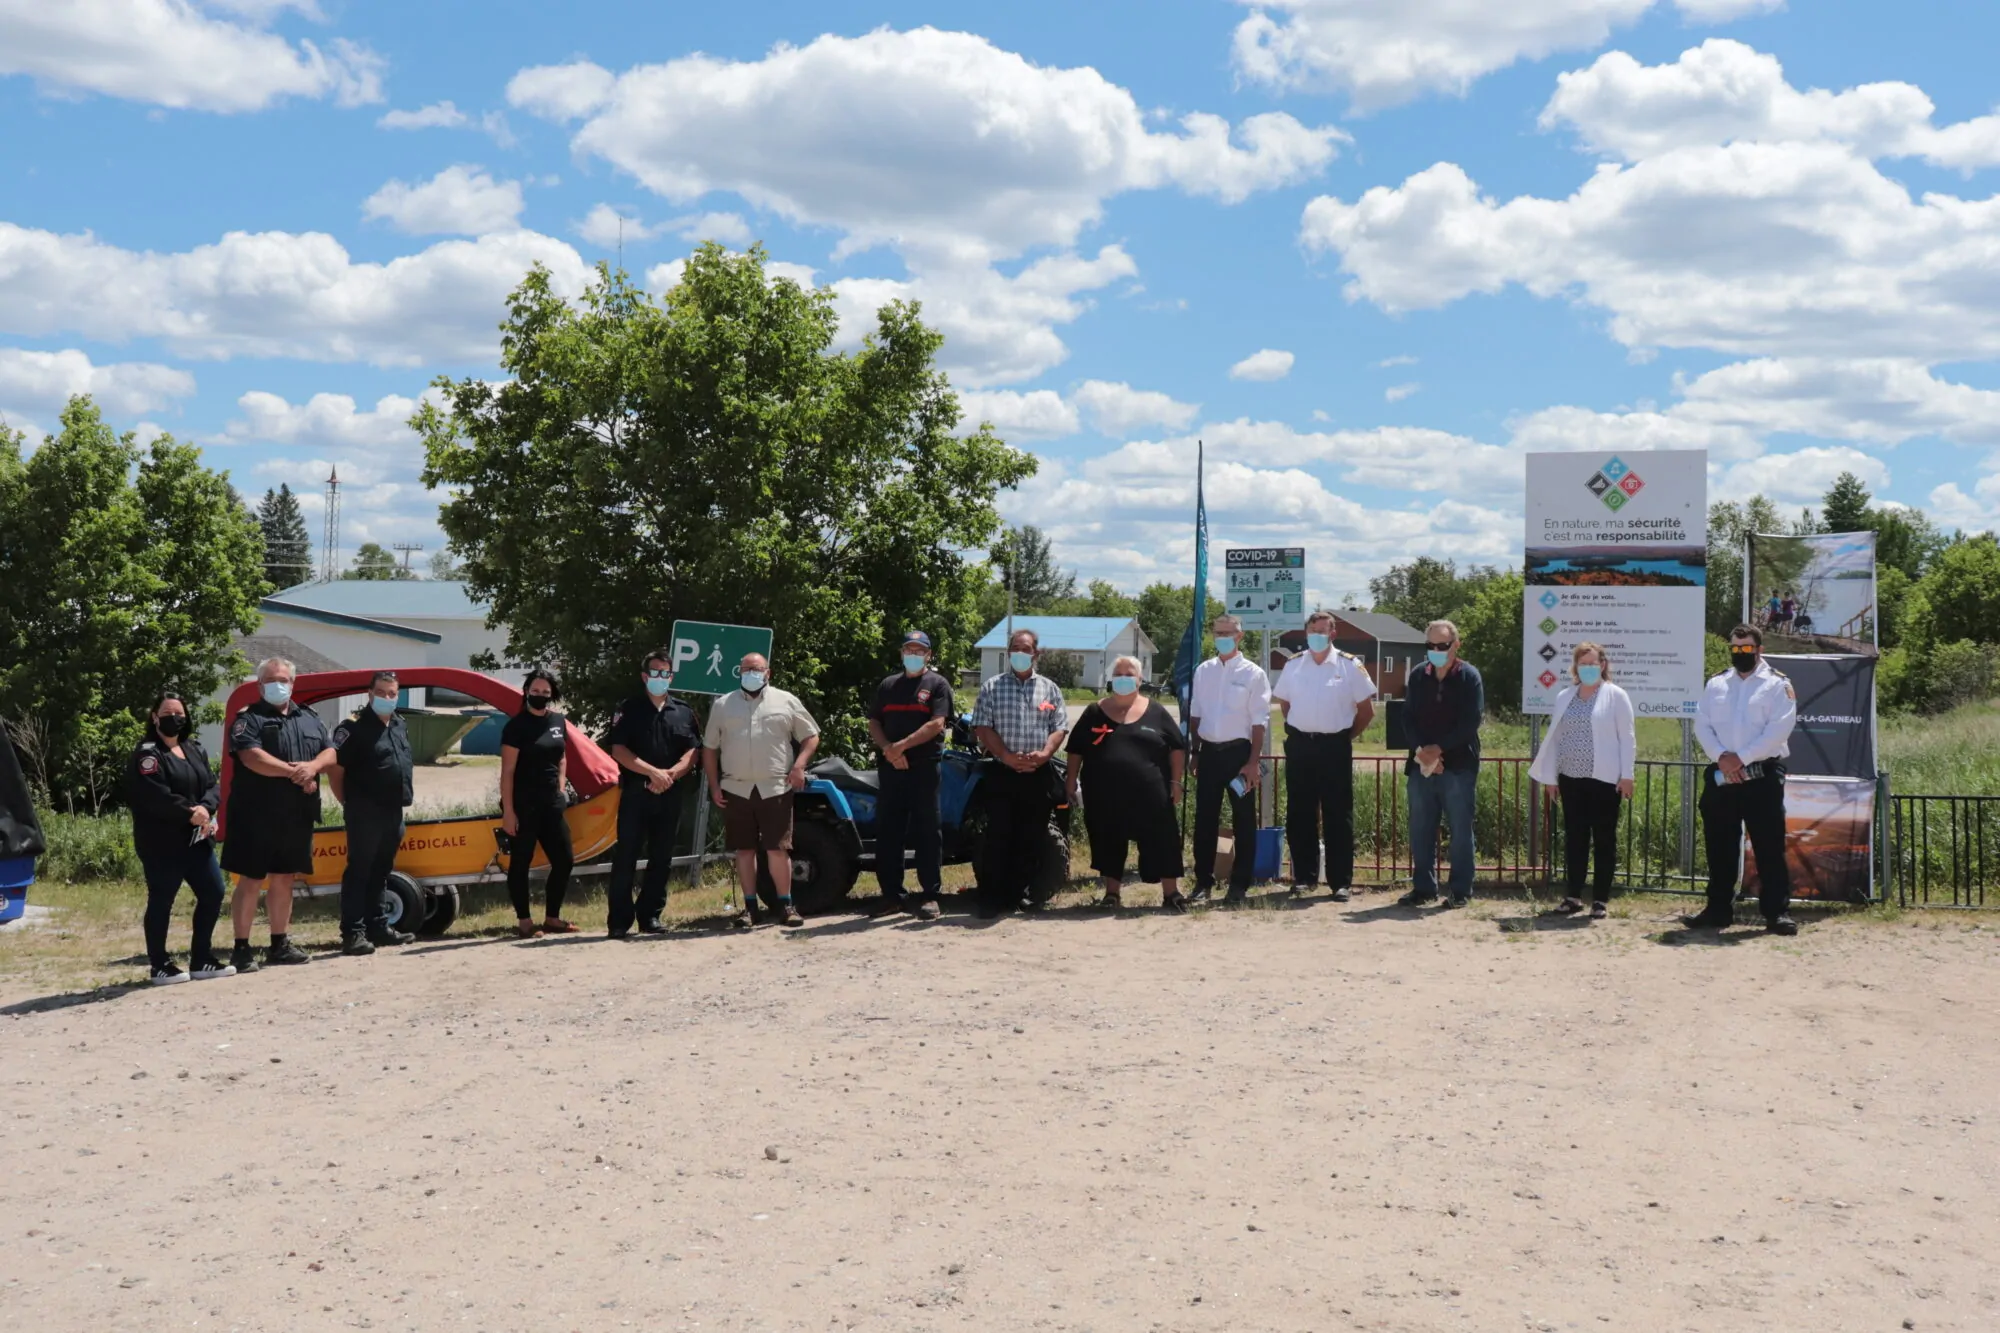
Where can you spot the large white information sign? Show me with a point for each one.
(1617, 554)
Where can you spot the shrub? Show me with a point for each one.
(1956, 673)
(1063, 667)
(85, 849)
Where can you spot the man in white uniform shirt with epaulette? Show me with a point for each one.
(1745, 722)
(1328, 698)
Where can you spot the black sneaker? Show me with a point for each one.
(1417, 898)
(1342, 894)
(1783, 925)
(1458, 900)
(1235, 898)
(928, 910)
(1201, 893)
(1709, 921)
(388, 937)
(244, 959)
(209, 969)
(1300, 889)
(356, 946)
(891, 904)
(651, 926)
(167, 974)
(286, 955)
(991, 911)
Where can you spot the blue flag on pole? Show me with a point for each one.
(1189, 654)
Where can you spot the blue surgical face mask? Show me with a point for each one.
(1225, 644)
(1589, 674)
(914, 662)
(1318, 642)
(277, 693)
(1438, 659)
(383, 707)
(657, 686)
(1124, 684)
(1021, 661)
(753, 681)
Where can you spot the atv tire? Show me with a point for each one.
(823, 870)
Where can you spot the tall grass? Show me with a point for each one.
(1953, 754)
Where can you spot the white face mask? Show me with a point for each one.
(277, 693)
(753, 681)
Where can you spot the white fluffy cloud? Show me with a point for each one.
(1119, 409)
(924, 137)
(1263, 366)
(1041, 414)
(1800, 477)
(606, 227)
(1866, 401)
(447, 116)
(1975, 511)
(45, 381)
(276, 294)
(459, 201)
(1382, 52)
(1724, 92)
(169, 53)
(327, 421)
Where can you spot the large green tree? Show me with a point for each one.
(287, 545)
(1960, 596)
(1427, 589)
(1024, 559)
(122, 572)
(373, 564)
(711, 456)
(1490, 629)
(1729, 525)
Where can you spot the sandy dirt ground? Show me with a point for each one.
(1319, 1118)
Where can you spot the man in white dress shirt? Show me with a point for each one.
(1328, 698)
(1745, 721)
(1228, 711)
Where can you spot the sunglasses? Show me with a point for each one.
(655, 673)
(1438, 647)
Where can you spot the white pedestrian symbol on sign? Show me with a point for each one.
(715, 661)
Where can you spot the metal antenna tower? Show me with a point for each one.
(406, 548)
(330, 551)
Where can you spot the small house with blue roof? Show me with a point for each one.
(1098, 640)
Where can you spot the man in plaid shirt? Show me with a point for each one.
(1021, 721)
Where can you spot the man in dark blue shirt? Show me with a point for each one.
(1446, 700)
(909, 713)
(373, 778)
(656, 743)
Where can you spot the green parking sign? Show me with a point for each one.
(707, 658)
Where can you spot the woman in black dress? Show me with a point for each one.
(533, 766)
(1127, 753)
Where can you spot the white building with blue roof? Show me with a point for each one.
(1098, 640)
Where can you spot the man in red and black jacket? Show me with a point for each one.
(907, 719)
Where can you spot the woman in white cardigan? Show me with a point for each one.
(1588, 757)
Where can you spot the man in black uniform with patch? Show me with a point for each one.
(656, 743)
(373, 778)
(910, 712)
(278, 751)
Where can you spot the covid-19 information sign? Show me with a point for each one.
(1617, 555)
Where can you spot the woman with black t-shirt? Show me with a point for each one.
(173, 794)
(1127, 752)
(533, 767)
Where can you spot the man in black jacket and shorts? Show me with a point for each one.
(279, 750)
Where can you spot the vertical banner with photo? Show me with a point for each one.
(1829, 840)
(1617, 554)
(1835, 734)
(1813, 594)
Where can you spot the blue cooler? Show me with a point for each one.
(16, 874)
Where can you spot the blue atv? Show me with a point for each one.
(833, 828)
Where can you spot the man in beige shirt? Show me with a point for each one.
(755, 751)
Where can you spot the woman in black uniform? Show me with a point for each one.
(533, 767)
(174, 795)
(1127, 752)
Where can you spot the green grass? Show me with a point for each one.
(1953, 754)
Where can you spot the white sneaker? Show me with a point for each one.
(166, 974)
(208, 969)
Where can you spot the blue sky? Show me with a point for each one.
(1371, 251)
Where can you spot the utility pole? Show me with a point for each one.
(406, 548)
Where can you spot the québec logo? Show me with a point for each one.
(1615, 484)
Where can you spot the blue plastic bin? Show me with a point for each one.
(484, 738)
(1270, 854)
(16, 874)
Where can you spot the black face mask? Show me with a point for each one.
(172, 725)
(1744, 660)
(539, 702)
